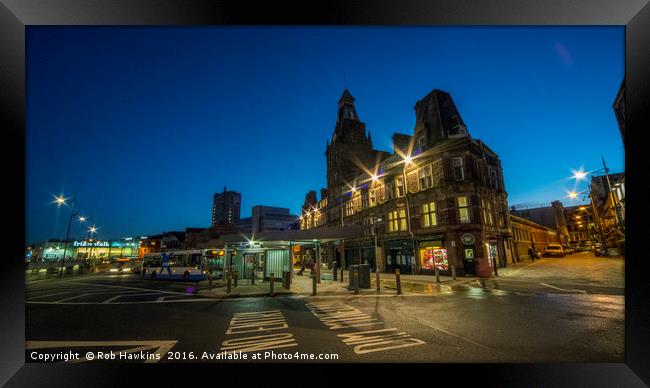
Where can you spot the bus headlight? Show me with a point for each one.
(114, 270)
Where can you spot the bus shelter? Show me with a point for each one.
(261, 254)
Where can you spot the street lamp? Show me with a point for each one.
(407, 161)
(61, 201)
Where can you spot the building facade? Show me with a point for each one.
(226, 208)
(526, 234)
(269, 218)
(608, 199)
(438, 199)
(552, 217)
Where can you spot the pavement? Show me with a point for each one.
(544, 269)
(303, 285)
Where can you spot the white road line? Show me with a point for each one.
(141, 302)
(130, 293)
(562, 289)
(135, 288)
(57, 293)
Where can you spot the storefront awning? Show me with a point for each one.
(295, 237)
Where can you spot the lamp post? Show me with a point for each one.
(408, 160)
(61, 201)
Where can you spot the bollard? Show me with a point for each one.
(356, 281)
(234, 274)
(313, 285)
(377, 276)
(453, 272)
(341, 274)
(229, 282)
(271, 279)
(334, 273)
(437, 274)
(398, 283)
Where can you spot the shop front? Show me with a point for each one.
(432, 255)
(399, 254)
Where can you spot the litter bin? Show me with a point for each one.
(286, 279)
(364, 275)
(483, 268)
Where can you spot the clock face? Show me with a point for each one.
(468, 239)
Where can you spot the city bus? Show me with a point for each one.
(177, 265)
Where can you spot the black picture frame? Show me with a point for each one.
(16, 15)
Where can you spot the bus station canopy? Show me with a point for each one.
(295, 237)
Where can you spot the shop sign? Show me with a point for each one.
(90, 244)
(491, 240)
(468, 239)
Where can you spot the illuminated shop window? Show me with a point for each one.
(429, 218)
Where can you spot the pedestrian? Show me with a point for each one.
(532, 253)
(302, 267)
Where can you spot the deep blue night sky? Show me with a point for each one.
(145, 124)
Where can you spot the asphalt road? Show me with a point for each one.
(505, 320)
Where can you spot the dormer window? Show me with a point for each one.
(421, 143)
(458, 130)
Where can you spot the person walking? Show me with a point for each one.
(532, 253)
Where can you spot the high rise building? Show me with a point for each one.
(226, 208)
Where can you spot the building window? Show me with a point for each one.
(399, 183)
(372, 197)
(463, 210)
(429, 218)
(364, 200)
(349, 208)
(459, 174)
(397, 220)
(494, 178)
(421, 143)
(390, 190)
(426, 180)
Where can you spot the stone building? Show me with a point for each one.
(549, 216)
(526, 234)
(438, 197)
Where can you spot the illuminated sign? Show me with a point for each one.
(467, 238)
(90, 244)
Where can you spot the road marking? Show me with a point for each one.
(196, 299)
(259, 321)
(130, 293)
(162, 347)
(372, 341)
(338, 316)
(256, 322)
(562, 289)
(134, 288)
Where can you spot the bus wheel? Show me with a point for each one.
(186, 276)
(153, 275)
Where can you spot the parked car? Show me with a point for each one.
(568, 250)
(554, 250)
